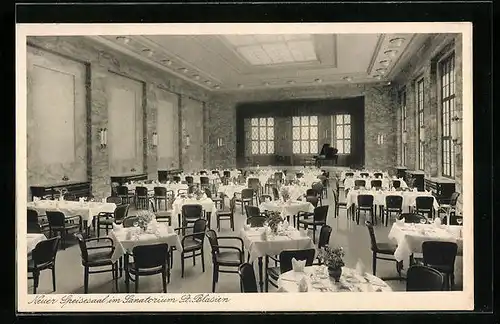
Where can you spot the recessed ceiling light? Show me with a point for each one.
(197, 77)
(148, 52)
(266, 84)
(347, 78)
(241, 86)
(184, 70)
(208, 82)
(123, 39)
(381, 71)
(391, 53)
(385, 63)
(397, 42)
(318, 80)
(167, 62)
(217, 87)
(291, 82)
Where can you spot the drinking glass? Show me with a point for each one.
(459, 220)
(136, 224)
(423, 220)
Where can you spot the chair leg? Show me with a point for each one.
(374, 263)
(86, 280)
(54, 277)
(136, 284)
(194, 259)
(182, 264)
(215, 277)
(314, 234)
(202, 261)
(36, 277)
(164, 280)
(452, 281)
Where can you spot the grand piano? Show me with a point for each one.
(327, 155)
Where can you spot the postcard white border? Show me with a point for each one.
(463, 300)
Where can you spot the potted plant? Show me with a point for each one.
(274, 220)
(144, 217)
(333, 259)
(285, 194)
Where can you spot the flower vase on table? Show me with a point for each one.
(273, 221)
(333, 259)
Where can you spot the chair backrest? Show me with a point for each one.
(32, 216)
(121, 211)
(256, 221)
(83, 247)
(276, 194)
(70, 197)
(160, 191)
(324, 236)
(247, 278)
(55, 218)
(278, 176)
(378, 175)
(439, 253)
(365, 200)
(203, 172)
(363, 174)
(318, 186)
(45, 251)
(150, 256)
(422, 278)
(454, 199)
(373, 239)
(214, 242)
(349, 174)
(286, 257)
(122, 190)
(313, 200)
(320, 213)
(232, 204)
(396, 183)
(412, 217)
(299, 175)
(176, 178)
(192, 211)
(359, 183)
(189, 179)
(247, 193)
(252, 211)
(393, 202)
(141, 191)
(114, 200)
(34, 228)
(376, 183)
(311, 192)
(226, 174)
(253, 183)
(129, 221)
(424, 203)
(215, 172)
(204, 180)
(208, 192)
(199, 227)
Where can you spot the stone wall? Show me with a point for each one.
(425, 64)
(380, 117)
(101, 61)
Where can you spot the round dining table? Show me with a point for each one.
(317, 280)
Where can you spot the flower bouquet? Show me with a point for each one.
(274, 220)
(144, 218)
(62, 192)
(285, 194)
(333, 259)
(198, 193)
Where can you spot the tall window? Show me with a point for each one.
(402, 99)
(447, 72)
(420, 121)
(262, 135)
(343, 133)
(305, 134)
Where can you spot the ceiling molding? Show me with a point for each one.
(139, 57)
(376, 53)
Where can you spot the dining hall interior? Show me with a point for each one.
(259, 163)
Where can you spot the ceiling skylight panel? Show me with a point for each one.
(255, 55)
(296, 37)
(279, 52)
(241, 40)
(269, 38)
(307, 49)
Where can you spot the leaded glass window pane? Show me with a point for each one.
(255, 122)
(304, 120)
(270, 147)
(304, 133)
(262, 133)
(314, 147)
(314, 120)
(263, 147)
(295, 121)
(270, 122)
(296, 147)
(255, 133)
(255, 147)
(296, 133)
(304, 147)
(314, 133)
(270, 133)
(347, 148)
(340, 146)
(347, 131)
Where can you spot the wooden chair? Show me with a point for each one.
(248, 282)
(124, 194)
(318, 219)
(365, 204)
(149, 260)
(422, 278)
(141, 197)
(224, 256)
(227, 215)
(381, 251)
(59, 223)
(43, 257)
(192, 244)
(441, 256)
(285, 264)
(393, 204)
(246, 197)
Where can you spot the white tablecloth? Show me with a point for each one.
(349, 182)
(124, 243)
(289, 208)
(274, 245)
(379, 197)
(212, 178)
(358, 172)
(88, 210)
(32, 239)
(207, 204)
(409, 237)
(295, 191)
(318, 281)
(172, 186)
(230, 190)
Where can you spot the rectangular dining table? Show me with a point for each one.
(257, 248)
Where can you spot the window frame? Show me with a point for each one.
(341, 150)
(447, 105)
(420, 117)
(269, 140)
(309, 126)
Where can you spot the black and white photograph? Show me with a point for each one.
(209, 167)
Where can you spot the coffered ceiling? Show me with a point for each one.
(237, 62)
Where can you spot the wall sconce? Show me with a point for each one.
(188, 140)
(155, 139)
(422, 134)
(456, 128)
(405, 137)
(380, 139)
(103, 136)
(219, 142)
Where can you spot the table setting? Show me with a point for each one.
(196, 198)
(286, 206)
